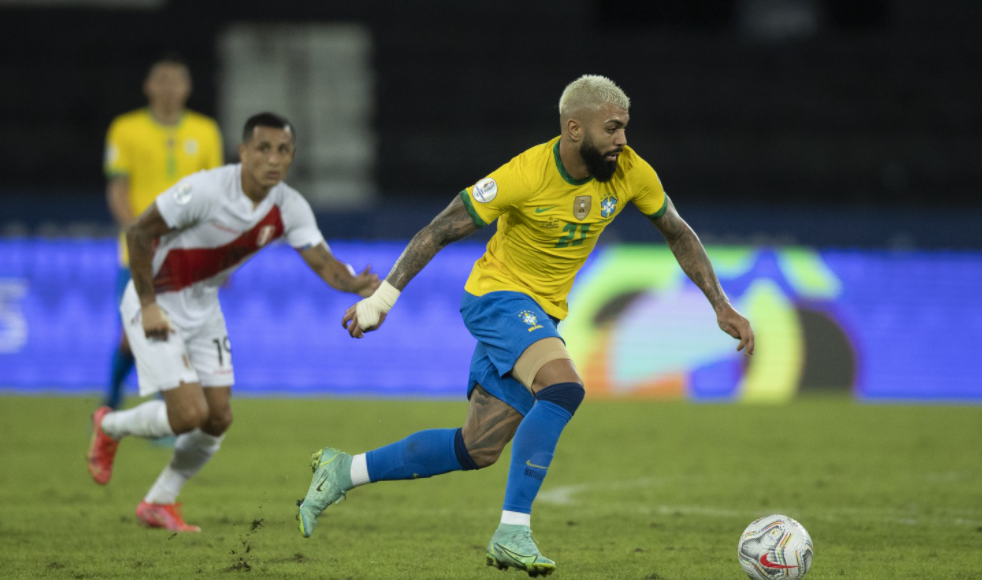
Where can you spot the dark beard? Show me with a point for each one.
(601, 169)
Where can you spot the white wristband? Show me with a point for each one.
(370, 309)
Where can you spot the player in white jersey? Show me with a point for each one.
(181, 250)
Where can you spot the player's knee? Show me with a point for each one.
(218, 422)
(566, 395)
(187, 418)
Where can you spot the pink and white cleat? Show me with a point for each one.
(164, 515)
(102, 449)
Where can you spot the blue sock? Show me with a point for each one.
(121, 366)
(535, 442)
(422, 454)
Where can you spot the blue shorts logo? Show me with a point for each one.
(529, 318)
(608, 206)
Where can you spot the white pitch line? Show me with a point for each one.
(564, 495)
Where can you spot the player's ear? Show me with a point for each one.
(574, 130)
(242, 151)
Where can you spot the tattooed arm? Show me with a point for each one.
(452, 224)
(691, 256)
(140, 236)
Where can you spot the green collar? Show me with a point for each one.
(562, 170)
(163, 126)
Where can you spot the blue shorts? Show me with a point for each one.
(504, 324)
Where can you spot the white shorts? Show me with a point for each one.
(202, 355)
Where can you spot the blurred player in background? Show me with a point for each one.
(181, 250)
(147, 151)
(551, 203)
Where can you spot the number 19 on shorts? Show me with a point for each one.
(222, 346)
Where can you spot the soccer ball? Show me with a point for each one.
(775, 547)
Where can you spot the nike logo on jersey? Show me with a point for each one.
(768, 564)
(542, 209)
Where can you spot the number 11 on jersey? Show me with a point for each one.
(568, 240)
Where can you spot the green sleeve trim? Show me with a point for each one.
(470, 209)
(117, 173)
(562, 170)
(660, 212)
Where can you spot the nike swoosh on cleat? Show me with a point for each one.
(542, 209)
(768, 564)
(523, 558)
(320, 485)
(530, 464)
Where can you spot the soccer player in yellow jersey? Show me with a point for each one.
(147, 151)
(551, 203)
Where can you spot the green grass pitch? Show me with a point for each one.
(638, 490)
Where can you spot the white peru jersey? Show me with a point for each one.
(218, 228)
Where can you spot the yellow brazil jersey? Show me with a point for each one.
(548, 222)
(153, 157)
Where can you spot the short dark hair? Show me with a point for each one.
(168, 58)
(267, 120)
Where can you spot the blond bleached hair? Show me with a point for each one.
(591, 91)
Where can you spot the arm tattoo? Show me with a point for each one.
(453, 223)
(691, 256)
(140, 237)
(140, 246)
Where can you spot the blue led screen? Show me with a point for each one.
(888, 326)
(59, 324)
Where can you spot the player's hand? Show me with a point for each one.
(367, 282)
(350, 322)
(734, 324)
(370, 312)
(156, 325)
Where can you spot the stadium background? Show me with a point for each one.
(825, 150)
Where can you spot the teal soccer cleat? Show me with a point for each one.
(512, 546)
(332, 479)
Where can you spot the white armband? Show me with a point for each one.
(370, 309)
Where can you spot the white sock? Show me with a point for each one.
(147, 420)
(359, 470)
(166, 488)
(516, 518)
(191, 451)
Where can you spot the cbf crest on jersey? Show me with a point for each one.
(529, 318)
(608, 206)
(581, 206)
